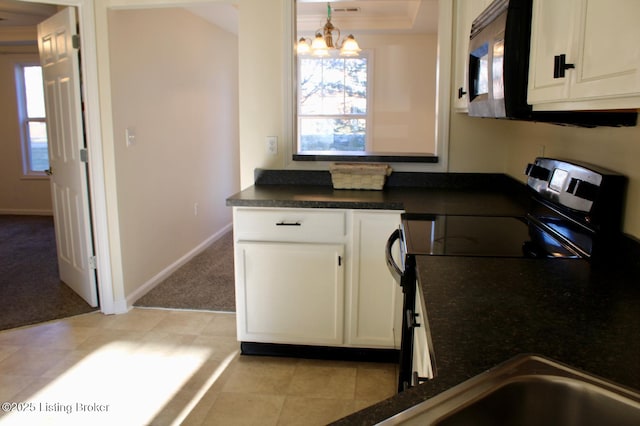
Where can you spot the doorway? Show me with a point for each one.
(72, 245)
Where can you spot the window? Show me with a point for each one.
(33, 119)
(333, 108)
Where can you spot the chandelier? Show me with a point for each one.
(327, 38)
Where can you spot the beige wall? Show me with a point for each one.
(262, 72)
(403, 92)
(18, 195)
(617, 149)
(174, 79)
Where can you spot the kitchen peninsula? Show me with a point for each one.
(483, 311)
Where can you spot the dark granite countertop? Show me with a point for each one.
(433, 193)
(484, 311)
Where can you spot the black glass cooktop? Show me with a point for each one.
(493, 236)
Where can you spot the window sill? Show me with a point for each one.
(369, 158)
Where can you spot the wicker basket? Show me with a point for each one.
(359, 175)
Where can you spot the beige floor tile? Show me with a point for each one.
(7, 350)
(65, 364)
(219, 347)
(221, 325)
(202, 378)
(198, 414)
(103, 337)
(31, 361)
(92, 319)
(11, 386)
(263, 375)
(324, 379)
(137, 320)
(305, 411)
(187, 322)
(240, 409)
(375, 382)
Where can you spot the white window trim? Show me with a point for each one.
(23, 121)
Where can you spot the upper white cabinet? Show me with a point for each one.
(465, 12)
(585, 54)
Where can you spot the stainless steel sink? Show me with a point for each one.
(528, 390)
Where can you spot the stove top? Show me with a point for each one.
(573, 207)
(491, 236)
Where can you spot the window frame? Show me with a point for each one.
(24, 120)
(368, 54)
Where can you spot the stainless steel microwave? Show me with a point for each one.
(499, 47)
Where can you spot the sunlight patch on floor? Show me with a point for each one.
(119, 383)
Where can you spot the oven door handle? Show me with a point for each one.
(391, 264)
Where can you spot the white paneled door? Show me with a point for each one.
(69, 187)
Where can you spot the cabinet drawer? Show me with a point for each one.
(301, 225)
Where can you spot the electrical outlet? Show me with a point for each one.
(272, 145)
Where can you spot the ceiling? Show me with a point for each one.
(370, 16)
(22, 14)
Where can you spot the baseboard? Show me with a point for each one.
(166, 272)
(26, 212)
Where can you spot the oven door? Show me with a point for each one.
(405, 275)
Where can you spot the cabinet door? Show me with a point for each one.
(375, 297)
(609, 49)
(551, 35)
(290, 292)
(466, 11)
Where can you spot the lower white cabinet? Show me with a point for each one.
(316, 277)
(375, 299)
(290, 292)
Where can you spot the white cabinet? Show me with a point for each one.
(290, 292)
(375, 298)
(315, 277)
(465, 12)
(421, 362)
(594, 44)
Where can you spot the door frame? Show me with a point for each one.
(110, 299)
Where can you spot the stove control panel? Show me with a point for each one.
(589, 190)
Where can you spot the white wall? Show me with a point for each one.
(174, 79)
(18, 195)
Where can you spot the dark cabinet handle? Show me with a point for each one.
(461, 92)
(560, 65)
(283, 223)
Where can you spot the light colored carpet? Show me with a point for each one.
(206, 282)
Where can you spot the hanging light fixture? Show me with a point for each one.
(326, 39)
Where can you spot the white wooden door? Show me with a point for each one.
(69, 187)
